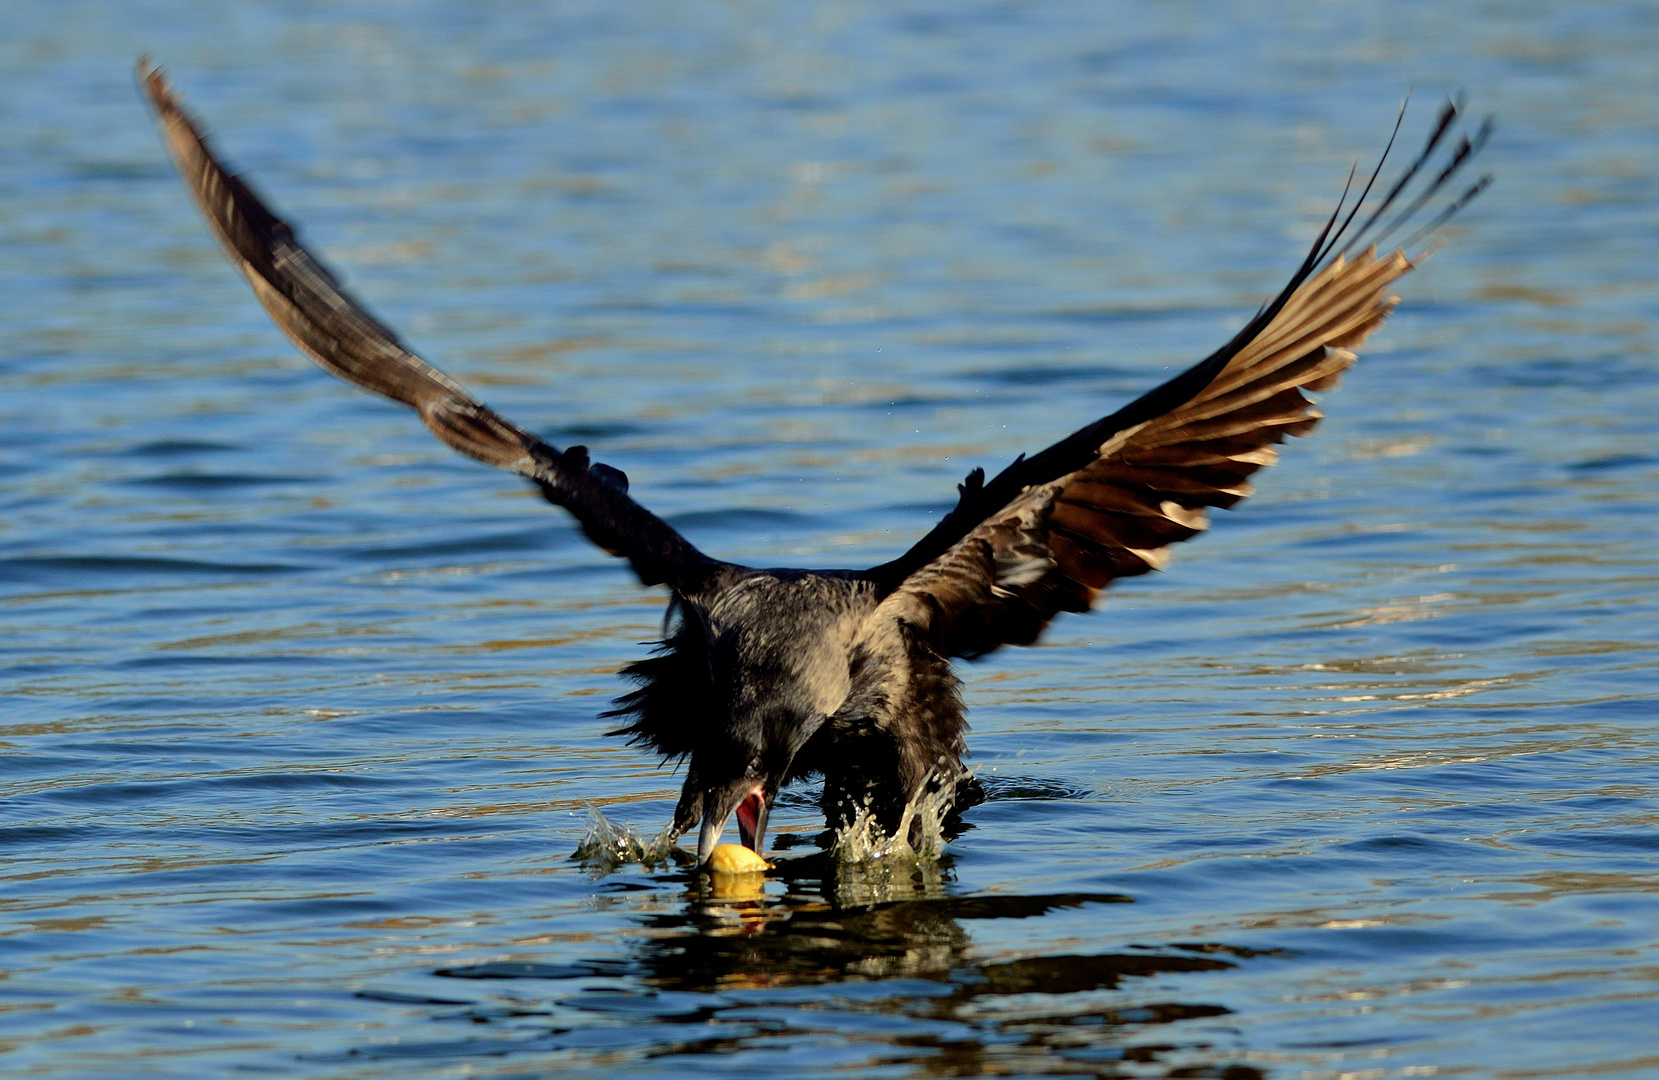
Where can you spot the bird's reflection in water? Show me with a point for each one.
(833, 921)
(896, 984)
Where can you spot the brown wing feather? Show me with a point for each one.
(1251, 383)
(325, 321)
(1057, 545)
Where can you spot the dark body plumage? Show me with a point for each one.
(795, 661)
(770, 675)
(791, 662)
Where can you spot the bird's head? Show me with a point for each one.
(738, 775)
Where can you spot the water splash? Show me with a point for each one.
(609, 845)
(863, 840)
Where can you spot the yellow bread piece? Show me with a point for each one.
(736, 859)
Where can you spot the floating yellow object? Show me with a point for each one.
(736, 859)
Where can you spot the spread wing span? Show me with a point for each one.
(325, 321)
(1051, 531)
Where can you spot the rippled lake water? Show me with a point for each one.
(300, 710)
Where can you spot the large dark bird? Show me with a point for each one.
(771, 675)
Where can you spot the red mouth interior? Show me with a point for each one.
(748, 813)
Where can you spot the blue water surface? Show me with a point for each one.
(300, 711)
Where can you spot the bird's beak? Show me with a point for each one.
(751, 807)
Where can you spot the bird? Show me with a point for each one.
(768, 676)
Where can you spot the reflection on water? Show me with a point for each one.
(899, 942)
(299, 712)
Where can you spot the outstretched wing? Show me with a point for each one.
(310, 306)
(1050, 532)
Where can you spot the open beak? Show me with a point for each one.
(751, 820)
(751, 811)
